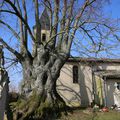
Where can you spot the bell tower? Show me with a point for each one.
(45, 26)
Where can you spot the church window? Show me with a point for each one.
(75, 74)
(43, 37)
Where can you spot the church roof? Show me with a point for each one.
(93, 60)
(45, 20)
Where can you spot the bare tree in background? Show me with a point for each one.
(42, 65)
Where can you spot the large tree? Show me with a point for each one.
(42, 65)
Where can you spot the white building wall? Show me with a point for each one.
(85, 82)
(107, 66)
(69, 91)
(76, 94)
(82, 93)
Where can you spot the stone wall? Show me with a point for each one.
(4, 80)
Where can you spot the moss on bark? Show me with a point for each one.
(34, 108)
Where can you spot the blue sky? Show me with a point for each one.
(112, 10)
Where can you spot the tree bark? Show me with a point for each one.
(39, 77)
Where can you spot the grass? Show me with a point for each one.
(112, 115)
(86, 115)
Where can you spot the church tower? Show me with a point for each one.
(45, 26)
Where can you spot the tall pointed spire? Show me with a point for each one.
(45, 20)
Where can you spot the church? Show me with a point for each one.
(84, 81)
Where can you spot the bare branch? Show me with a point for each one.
(48, 6)
(8, 11)
(17, 13)
(55, 24)
(38, 30)
(11, 29)
(22, 45)
(26, 19)
(88, 35)
(18, 55)
(62, 23)
(86, 4)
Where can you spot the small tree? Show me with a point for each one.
(42, 65)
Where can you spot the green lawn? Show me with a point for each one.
(85, 115)
(112, 115)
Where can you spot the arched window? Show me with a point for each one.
(75, 74)
(43, 37)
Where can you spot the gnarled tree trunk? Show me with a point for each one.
(39, 80)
